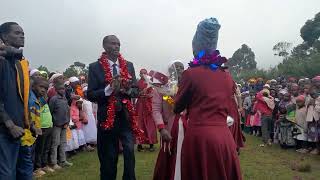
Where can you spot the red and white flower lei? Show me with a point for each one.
(125, 77)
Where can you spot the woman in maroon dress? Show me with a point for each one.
(144, 109)
(206, 92)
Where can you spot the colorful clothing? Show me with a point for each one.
(34, 110)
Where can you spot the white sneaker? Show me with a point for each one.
(48, 169)
(56, 167)
(66, 164)
(39, 173)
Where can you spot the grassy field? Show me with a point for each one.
(256, 163)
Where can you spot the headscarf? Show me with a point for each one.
(300, 98)
(33, 71)
(73, 79)
(206, 36)
(316, 78)
(267, 86)
(54, 77)
(273, 81)
(283, 92)
(143, 70)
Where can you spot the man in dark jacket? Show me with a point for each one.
(13, 97)
(99, 91)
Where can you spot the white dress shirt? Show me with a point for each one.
(108, 90)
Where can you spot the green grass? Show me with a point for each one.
(256, 163)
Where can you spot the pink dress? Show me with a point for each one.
(145, 118)
(75, 117)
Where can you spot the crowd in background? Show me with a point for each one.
(67, 120)
(283, 111)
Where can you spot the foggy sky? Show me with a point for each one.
(152, 32)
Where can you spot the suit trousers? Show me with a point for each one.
(108, 148)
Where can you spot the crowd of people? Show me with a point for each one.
(283, 111)
(44, 118)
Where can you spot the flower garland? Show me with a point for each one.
(125, 77)
(213, 60)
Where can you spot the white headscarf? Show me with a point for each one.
(73, 79)
(33, 71)
(54, 77)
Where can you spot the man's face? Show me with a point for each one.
(178, 67)
(112, 46)
(40, 89)
(15, 37)
(142, 73)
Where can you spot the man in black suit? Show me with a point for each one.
(99, 91)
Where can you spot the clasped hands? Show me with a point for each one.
(118, 86)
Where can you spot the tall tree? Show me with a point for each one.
(71, 71)
(242, 59)
(43, 68)
(282, 49)
(310, 32)
(76, 69)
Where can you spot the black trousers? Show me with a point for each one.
(42, 149)
(108, 148)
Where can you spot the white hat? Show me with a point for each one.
(73, 79)
(67, 83)
(266, 86)
(33, 71)
(54, 76)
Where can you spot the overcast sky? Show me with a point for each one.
(152, 32)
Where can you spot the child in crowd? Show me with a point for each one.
(43, 142)
(72, 139)
(301, 115)
(255, 119)
(285, 128)
(25, 165)
(89, 128)
(61, 116)
(78, 118)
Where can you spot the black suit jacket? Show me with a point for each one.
(96, 86)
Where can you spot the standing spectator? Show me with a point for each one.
(144, 110)
(265, 104)
(89, 129)
(43, 141)
(61, 116)
(301, 115)
(313, 115)
(39, 88)
(14, 94)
